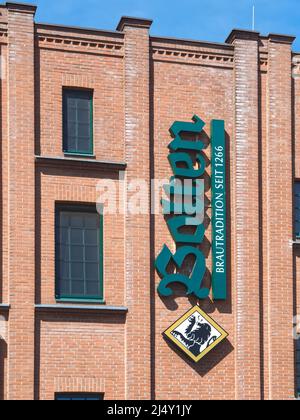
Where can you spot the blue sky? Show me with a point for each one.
(210, 20)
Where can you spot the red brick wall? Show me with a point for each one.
(181, 89)
(279, 180)
(91, 68)
(61, 338)
(57, 185)
(94, 350)
(20, 199)
(264, 267)
(296, 149)
(246, 215)
(141, 86)
(4, 198)
(137, 227)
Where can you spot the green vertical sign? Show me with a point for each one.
(219, 205)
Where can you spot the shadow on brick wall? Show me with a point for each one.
(3, 357)
(210, 361)
(210, 306)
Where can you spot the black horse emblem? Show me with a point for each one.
(196, 336)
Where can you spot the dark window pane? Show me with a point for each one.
(91, 237)
(64, 235)
(77, 271)
(64, 219)
(64, 253)
(83, 103)
(93, 288)
(76, 220)
(77, 288)
(78, 397)
(92, 254)
(65, 287)
(72, 143)
(78, 254)
(92, 221)
(84, 116)
(65, 270)
(72, 102)
(82, 142)
(72, 132)
(92, 271)
(72, 113)
(77, 236)
(83, 130)
(77, 121)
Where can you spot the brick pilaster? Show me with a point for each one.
(137, 257)
(21, 217)
(279, 177)
(246, 214)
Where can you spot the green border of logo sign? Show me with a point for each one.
(219, 210)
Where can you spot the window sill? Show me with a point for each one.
(4, 307)
(63, 308)
(80, 163)
(80, 155)
(74, 300)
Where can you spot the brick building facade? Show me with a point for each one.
(140, 85)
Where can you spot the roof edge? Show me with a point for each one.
(135, 22)
(241, 34)
(43, 25)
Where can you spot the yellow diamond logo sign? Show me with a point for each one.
(196, 333)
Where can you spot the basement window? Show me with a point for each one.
(78, 122)
(78, 397)
(79, 253)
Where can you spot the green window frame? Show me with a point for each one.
(78, 250)
(78, 131)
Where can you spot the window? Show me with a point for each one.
(78, 121)
(297, 210)
(79, 397)
(79, 253)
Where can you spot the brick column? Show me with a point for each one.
(21, 217)
(279, 178)
(137, 141)
(245, 233)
